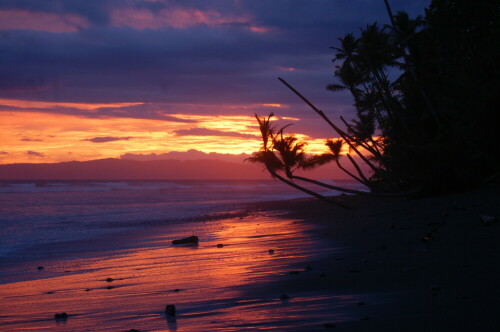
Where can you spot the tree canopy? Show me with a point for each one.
(431, 127)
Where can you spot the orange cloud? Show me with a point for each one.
(51, 22)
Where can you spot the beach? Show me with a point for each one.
(387, 264)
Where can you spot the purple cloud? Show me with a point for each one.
(210, 132)
(104, 61)
(31, 140)
(105, 139)
(35, 154)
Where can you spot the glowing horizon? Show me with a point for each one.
(37, 137)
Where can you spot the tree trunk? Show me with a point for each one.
(307, 191)
(337, 129)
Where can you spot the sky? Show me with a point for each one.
(84, 80)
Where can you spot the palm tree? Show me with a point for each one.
(289, 156)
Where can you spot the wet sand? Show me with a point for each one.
(387, 265)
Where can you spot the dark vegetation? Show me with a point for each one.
(426, 98)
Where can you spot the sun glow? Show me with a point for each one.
(28, 133)
(45, 137)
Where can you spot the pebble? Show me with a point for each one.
(190, 239)
(220, 245)
(40, 268)
(62, 315)
(110, 279)
(170, 310)
(284, 297)
(435, 288)
(329, 325)
(271, 251)
(308, 268)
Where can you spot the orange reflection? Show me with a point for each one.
(224, 284)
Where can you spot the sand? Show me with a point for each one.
(425, 264)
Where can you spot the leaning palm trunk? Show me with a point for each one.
(352, 191)
(346, 137)
(307, 191)
(349, 173)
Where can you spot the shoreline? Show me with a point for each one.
(372, 268)
(428, 264)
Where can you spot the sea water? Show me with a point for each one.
(38, 213)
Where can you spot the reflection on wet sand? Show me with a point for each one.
(213, 288)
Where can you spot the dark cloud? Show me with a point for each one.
(35, 154)
(197, 65)
(31, 140)
(105, 139)
(210, 132)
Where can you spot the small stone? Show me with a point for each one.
(329, 325)
(177, 290)
(220, 245)
(87, 290)
(170, 310)
(40, 268)
(67, 271)
(487, 220)
(426, 239)
(190, 239)
(322, 275)
(110, 279)
(109, 287)
(383, 247)
(393, 226)
(361, 303)
(353, 271)
(294, 272)
(365, 318)
(62, 315)
(271, 251)
(50, 292)
(284, 297)
(435, 288)
(308, 268)
(133, 330)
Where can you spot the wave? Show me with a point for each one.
(86, 186)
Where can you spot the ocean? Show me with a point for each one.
(34, 214)
(101, 252)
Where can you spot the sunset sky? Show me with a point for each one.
(84, 80)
